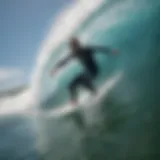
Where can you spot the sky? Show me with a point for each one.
(23, 26)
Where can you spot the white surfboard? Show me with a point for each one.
(86, 100)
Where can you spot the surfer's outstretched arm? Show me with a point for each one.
(105, 50)
(61, 63)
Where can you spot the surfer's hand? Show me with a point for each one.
(115, 52)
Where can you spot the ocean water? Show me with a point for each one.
(17, 138)
(122, 122)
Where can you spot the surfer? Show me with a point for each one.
(85, 56)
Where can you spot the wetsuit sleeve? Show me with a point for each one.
(64, 61)
(100, 49)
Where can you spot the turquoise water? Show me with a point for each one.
(123, 124)
(129, 125)
(127, 26)
(18, 138)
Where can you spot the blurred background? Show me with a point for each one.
(122, 123)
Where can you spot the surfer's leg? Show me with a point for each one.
(83, 80)
(87, 82)
(73, 88)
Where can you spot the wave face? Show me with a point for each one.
(128, 127)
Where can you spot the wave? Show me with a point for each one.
(127, 111)
(129, 108)
(72, 16)
(76, 23)
(16, 104)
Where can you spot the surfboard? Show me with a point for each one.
(88, 104)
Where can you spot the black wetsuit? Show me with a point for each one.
(86, 58)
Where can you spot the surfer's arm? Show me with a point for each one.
(61, 63)
(105, 50)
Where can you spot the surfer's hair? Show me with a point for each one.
(74, 40)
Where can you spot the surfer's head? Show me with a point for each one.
(74, 43)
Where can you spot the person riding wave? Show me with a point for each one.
(84, 54)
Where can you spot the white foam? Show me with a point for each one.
(16, 104)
